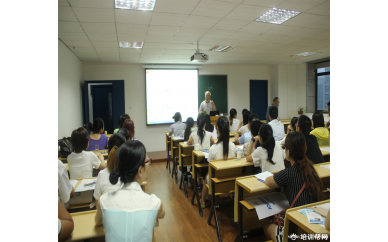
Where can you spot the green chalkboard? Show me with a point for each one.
(217, 85)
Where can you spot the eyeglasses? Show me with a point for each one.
(148, 161)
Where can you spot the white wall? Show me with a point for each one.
(70, 79)
(134, 83)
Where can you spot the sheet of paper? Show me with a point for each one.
(326, 149)
(82, 188)
(326, 166)
(178, 138)
(263, 175)
(325, 206)
(302, 211)
(73, 182)
(239, 147)
(313, 217)
(269, 204)
(187, 144)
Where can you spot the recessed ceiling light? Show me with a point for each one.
(146, 5)
(306, 54)
(136, 45)
(277, 16)
(222, 48)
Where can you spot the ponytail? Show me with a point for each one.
(189, 125)
(232, 113)
(201, 123)
(96, 126)
(266, 133)
(112, 157)
(223, 126)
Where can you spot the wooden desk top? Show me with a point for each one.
(231, 134)
(324, 153)
(229, 164)
(302, 222)
(251, 184)
(183, 145)
(198, 153)
(173, 138)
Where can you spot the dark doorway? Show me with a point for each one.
(102, 105)
(258, 91)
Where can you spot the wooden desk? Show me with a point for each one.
(168, 148)
(175, 154)
(185, 160)
(213, 120)
(85, 227)
(249, 186)
(197, 157)
(301, 221)
(84, 205)
(231, 134)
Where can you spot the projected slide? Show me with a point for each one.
(169, 91)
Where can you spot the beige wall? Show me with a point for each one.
(70, 79)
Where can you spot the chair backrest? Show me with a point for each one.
(129, 227)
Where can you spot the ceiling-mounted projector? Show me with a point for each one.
(199, 57)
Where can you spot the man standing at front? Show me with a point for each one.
(275, 102)
(207, 105)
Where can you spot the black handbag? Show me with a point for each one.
(65, 147)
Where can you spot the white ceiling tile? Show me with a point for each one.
(96, 15)
(213, 8)
(87, 55)
(63, 3)
(182, 46)
(84, 50)
(72, 36)
(158, 38)
(322, 9)
(92, 3)
(177, 52)
(323, 24)
(320, 44)
(133, 16)
(282, 30)
(230, 1)
(131, 37)
(265, 37)
(184, 39)
(242, 36)
(168, 56)
(78, 44)
(257, 27)
(162, 30)
(148, 45)
(218, 33)
(203, 47)
(175, 6)
(131, 28)
(324, 49)
(69, 27)
(322, 35)
(130, 56)
(108, 55)
(231, 42)
(105, 44)
(231, 24)
(286, 40)
(102, 37)
(66, 14)
(107, 50)
(305, 42)
(304, 19)
(99, 28)
(210, 41)
(305, 32)
(194, 21)
(299, 5)
(129, 60)
(152, 51)
(125, 51)
(94, 60)
(263, 3)
(168, 19)
(247, 12)
(150, 55)
(253, 44)
(110, 59)
(196, 32)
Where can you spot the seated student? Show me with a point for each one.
(313, 152)
(130, 126)
(178, 127)
(327, 125)
(202, 137)
(233, 121)
(242, 121)
(246, 137)
(65, 223)
(320, 132)
(269, 156)
(65, 189)
(210, 127)
(81, 162)
(121, 121)
(102, 184)
(124, 132)
(98, 140)
(244, 128)
(129, 214)
(223, 149)
(277, 125)
(301, 171)
(291, 128)
(189, 126)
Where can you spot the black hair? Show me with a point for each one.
(124, 132)
(122, 119)
(209, 126)
(223, 127)
(177, 116)
(328, 104)
(273, 112)
(201, 121)
(276, 98)
(293, 122)
(255, 128)
(266, 133)
(246, 117)
(318, 120)
(252, 116)
(232, 113)
(116, 140)
(130, 156)
(114, 143)
(97, 124)
(189, 125)
(304, 124)
(79, 139)
(244, 110)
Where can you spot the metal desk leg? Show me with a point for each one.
(214, 205)
(196, 194)
(240, 217)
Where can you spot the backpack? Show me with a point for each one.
(65, 147)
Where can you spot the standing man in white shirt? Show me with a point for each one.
(207, 105)
(276, 102)
(277, 125)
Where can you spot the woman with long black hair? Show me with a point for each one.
(202, 137)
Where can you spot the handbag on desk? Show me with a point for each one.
(278, 218)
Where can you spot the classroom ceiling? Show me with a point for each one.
(92, 29)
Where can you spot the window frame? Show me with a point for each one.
(316, 88)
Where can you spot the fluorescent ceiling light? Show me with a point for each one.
(306, 54)
(277, 16)
(137, 45)
(146, 5)
(222, 48)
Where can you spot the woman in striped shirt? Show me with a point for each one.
(293, 178)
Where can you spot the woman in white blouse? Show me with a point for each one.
(270, 155)
(233, 121)
(202, 137)
(103, 184)
(129, 213)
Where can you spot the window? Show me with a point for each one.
(322, 88)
